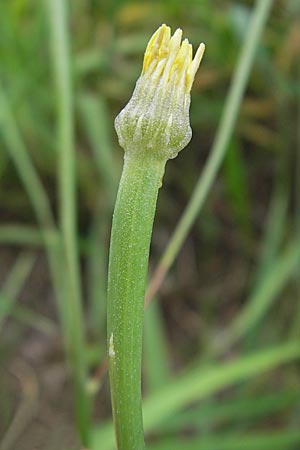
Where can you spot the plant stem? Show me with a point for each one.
(58, 16)
(129, 253)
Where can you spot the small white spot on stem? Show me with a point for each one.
(111, 350)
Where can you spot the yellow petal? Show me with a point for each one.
(160, 37)
(194, 67)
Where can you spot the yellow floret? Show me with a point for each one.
(175, 57)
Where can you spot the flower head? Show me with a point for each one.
(156, 119)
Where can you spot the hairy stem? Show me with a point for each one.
(128, 262)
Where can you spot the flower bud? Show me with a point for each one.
(156, 119)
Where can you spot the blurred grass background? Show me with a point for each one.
(227, 315)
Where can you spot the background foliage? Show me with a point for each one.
(227, 315)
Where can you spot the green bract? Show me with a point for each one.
(156, 119)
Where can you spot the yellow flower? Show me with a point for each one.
(156, 119)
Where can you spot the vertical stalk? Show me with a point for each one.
(128, 261)
(58, 15)
(152, 128)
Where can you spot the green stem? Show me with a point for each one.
(60, 40)
(129, 253)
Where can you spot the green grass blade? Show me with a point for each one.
(156, 358)
(199, 383)
(19, 154)
(97, 127)
(32, 183)
(235, 178)
(266, 292)
(35, 320)
(97, 272)
(276, 226)
(286, 439)
(59, 25)
(25, 235)
(238, 410)
(14, 284)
